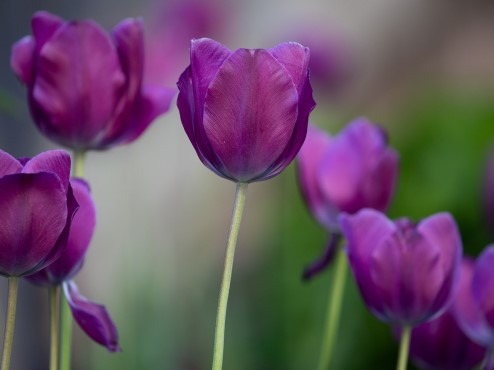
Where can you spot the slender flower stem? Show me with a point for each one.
(65, 314)
(406, 332)
(334, 309)
(10, 322)
(219, 337)
(53, 293)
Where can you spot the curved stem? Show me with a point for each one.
(65, 333)
(54, 293)
(334, 309)
(404, 348)
(219, 338)
(10, 322)
(79, 159)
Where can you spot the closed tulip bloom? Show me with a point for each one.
(246, 111)
(36, 209)
(475, 312)
(440, 344)
(84, 86)
(92, 317)
(406, 273)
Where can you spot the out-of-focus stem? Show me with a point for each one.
(10, 322)
(53, 293)
(404, 348)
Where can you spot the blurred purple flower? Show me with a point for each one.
(440, 344)
(173, 24)
(85, 88)
(345, 173)
(36, 210)
(406, 273)
(246, 111)
(475, 311)
(92, 317)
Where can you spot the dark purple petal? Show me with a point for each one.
(295, 58)
(78, 84)
(52, 161)
(34, 213)
(308, 163)
(441, 345)
(467, 310)
(44, 26)
(8, 164)
(250, 113)
(22, 59)
(92, 318)
(483, 286)
(319, 265)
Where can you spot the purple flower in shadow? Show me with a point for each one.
(346, 173)
(246, 111)
(85, 87)
(92, 317)
(407, 274)
(36, 209)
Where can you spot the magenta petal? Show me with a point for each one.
(52, 161)
(44, 25)
(92, 318)
(295, 58)
(8, 164)
(483, 285)
(308, 163)
(33, 211)
(254, 112)
(21, 59)
(78, 83)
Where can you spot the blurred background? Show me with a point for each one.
(422, 69)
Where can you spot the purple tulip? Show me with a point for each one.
(85, 88)
(475, 311)
(440, 344)
(36, 210)
(345, 173)
(406, 273)
(246, 111)
(92, 317)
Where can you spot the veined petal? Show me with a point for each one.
(92, 318)
(250, 112)
(8, 164)
(51, 161)
(78, 83)
(295, 58)
(33, 210)
(22, 59)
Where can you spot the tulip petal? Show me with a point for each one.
(467, 310)
(320, 264)
(93, 318)
(44, 26)
(8, 164)
(295, 58)
(483, 283)
(33, 210)
(253, 112)
(78, 84)
(308, 163)
(21, 60)
(52, 161)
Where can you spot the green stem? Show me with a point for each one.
(54, 293)
(79, 160)
(65, 334)
(219, 337)
(406, 332)
(334, 309)
(10, 322)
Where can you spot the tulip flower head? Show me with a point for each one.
(92, 317)
(36, 209)
(246, 111)
(406, 273)
(85, 88)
